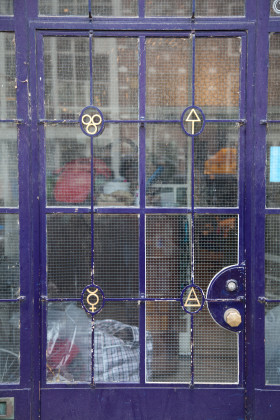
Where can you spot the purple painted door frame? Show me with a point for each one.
(250, 399)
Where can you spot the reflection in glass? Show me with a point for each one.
(168, 77)
(8, 81)
(115, 77)
(215, 351)
(168, 255)
(272, 256)
(80, 7)
(67, 80)
(215, 247)
(168, 342)
(220, 8)
(272, 344)
(9, 343)
(217, 73)
(216, 160)
(168, 8)
(273, 111)
(115, 165)
(273, 166)
(8, 166)
(6, 7)
(168, 166)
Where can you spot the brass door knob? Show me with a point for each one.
(232, 317)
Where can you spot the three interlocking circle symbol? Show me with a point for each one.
(91, 121)
(92, 299)
(276, 6)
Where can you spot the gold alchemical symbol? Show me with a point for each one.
(91, 121)
(92, 306)
(193, 118)
(192, 297)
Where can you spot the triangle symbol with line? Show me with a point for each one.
(192, 297)
(191, 118)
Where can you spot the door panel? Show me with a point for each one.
(140, 213)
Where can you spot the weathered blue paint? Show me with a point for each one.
(120, 400)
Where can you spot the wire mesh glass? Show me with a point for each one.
(215, 246)
(116, 254)
(272, 256)
(220, 8)
(68, 354)
(272, 344)
(6, 7)
(167, 343)
(8, 83)
(273, 166)
(120, 8)
(117, 343)
(115, 77)
(168, 77)
(168, 255)
(273, 106)
(116, 166)
(275, 8)
(216, 165)
(8, 166)
(216, 351)
(168, 166)
(68, 166)
(68, 254)
(67, 76)
(217, 74)
(9, 256)
(168, 8)
(9, 343)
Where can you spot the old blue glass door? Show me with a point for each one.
(142, 148)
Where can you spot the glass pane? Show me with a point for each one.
(216, 157)
(274, 77)
(68, 166)
(275, 8)
(8, 166)
(168, 8)
(168, 77)
(116, 343)
(7, 76)
(215, 351)
(168, 166)
(6, 7)
(272, 344)
(217, 63)
(80, 7)
(167, 343)
(9, 289)
(220, 8)
(273, 166)
(9, 256)
(68, 254)
(67, 79)
(215, 348)
(116, 166)
(216, 246)
(68, 343)
(272, 257)
(116, 255)
(115, 77)
(9, 339)
(168, 255)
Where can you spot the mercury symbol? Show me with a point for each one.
(92, 306)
